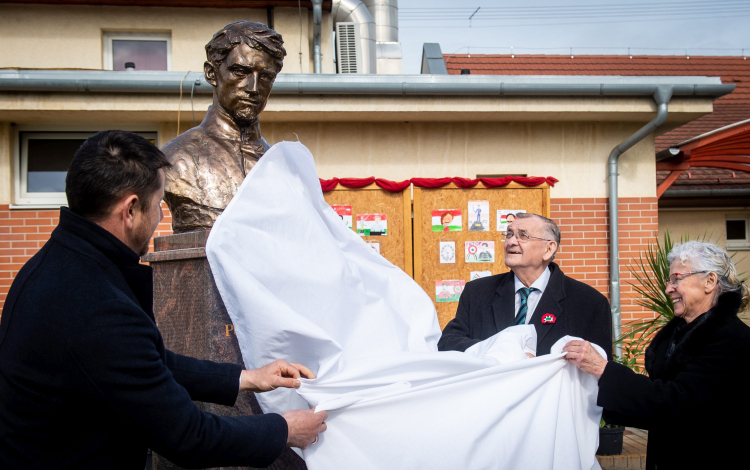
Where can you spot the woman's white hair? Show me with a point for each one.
(704, 256)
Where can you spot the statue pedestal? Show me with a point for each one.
(194, 322)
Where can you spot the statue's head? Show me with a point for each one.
(243, 59)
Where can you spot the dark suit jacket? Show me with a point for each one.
(693, 403)
(85, 379)
(487, 306)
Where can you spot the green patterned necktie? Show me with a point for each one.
(521, 316)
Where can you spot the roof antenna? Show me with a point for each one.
(744, 57)
(686, 54)
(571, 53)
(631, 55)
(472, 15)
(513, 56)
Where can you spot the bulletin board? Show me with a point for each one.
(396, 245)
(428, 268)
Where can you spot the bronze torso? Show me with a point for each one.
(209, 163)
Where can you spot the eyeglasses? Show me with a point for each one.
(674, 278)
(521, 235)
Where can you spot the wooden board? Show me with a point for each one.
(427, 266)
(396, 247)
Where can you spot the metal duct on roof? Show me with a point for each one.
(385, 14)
(354, 11)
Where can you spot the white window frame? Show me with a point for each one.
(108, 37)
(739, 243)
(28, 200)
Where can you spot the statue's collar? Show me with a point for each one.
(220, 124)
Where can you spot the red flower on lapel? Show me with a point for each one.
(548, 318)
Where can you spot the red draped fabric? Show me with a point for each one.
(393, 186)
(430, 182)
(465, 183)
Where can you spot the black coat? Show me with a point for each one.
(85, 380)
(694, 403)
(487, 306)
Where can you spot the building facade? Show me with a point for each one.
(388, 126)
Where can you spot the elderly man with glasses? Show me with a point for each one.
(534, 292)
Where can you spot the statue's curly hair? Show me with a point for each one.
(256, 35)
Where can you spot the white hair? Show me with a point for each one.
(704, 256)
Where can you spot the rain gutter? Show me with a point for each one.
(354, 84)
(706, 192)
(662, 95)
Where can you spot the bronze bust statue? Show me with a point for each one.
(210, 161)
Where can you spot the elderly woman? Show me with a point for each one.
(693, 401)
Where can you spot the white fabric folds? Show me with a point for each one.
(299, 285)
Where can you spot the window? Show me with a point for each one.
(43, 165)
(146, 51)
(737, 235)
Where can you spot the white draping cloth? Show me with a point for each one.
(299, 285)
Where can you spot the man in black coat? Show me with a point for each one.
(534, 292)
(85, 379)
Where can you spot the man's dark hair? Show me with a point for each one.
(109, 165)
(255, 35)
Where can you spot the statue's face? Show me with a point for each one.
(243, 82)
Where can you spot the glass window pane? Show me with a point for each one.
(48, 162)
(736, 229)
(146, 55)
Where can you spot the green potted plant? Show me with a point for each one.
(610, 439)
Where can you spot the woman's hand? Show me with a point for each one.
(585, 357)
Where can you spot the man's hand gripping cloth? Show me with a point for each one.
(299, 285)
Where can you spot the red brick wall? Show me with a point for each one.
(23, 232)
(583, 254)
(584, 251)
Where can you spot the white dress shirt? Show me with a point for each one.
(540, 284)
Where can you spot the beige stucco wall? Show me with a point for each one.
(574, 153)
(397, 137)
(70, 37)
(6, 139)
(698, 223)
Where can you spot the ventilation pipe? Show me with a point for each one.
(354, 11)
(317, 21)
(385, 14)
(387, 47)
(662, 95)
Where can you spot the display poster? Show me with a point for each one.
(372, 224)
(446, 220)
(447, 252)
(479, 216)
(375, 246)
(480, 252)
(345, 212)
(449, 291)
(479, 274)
(505, 217)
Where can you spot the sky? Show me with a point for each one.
(703, 27)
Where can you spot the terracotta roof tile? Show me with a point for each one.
(707, 178)
(728, 109)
